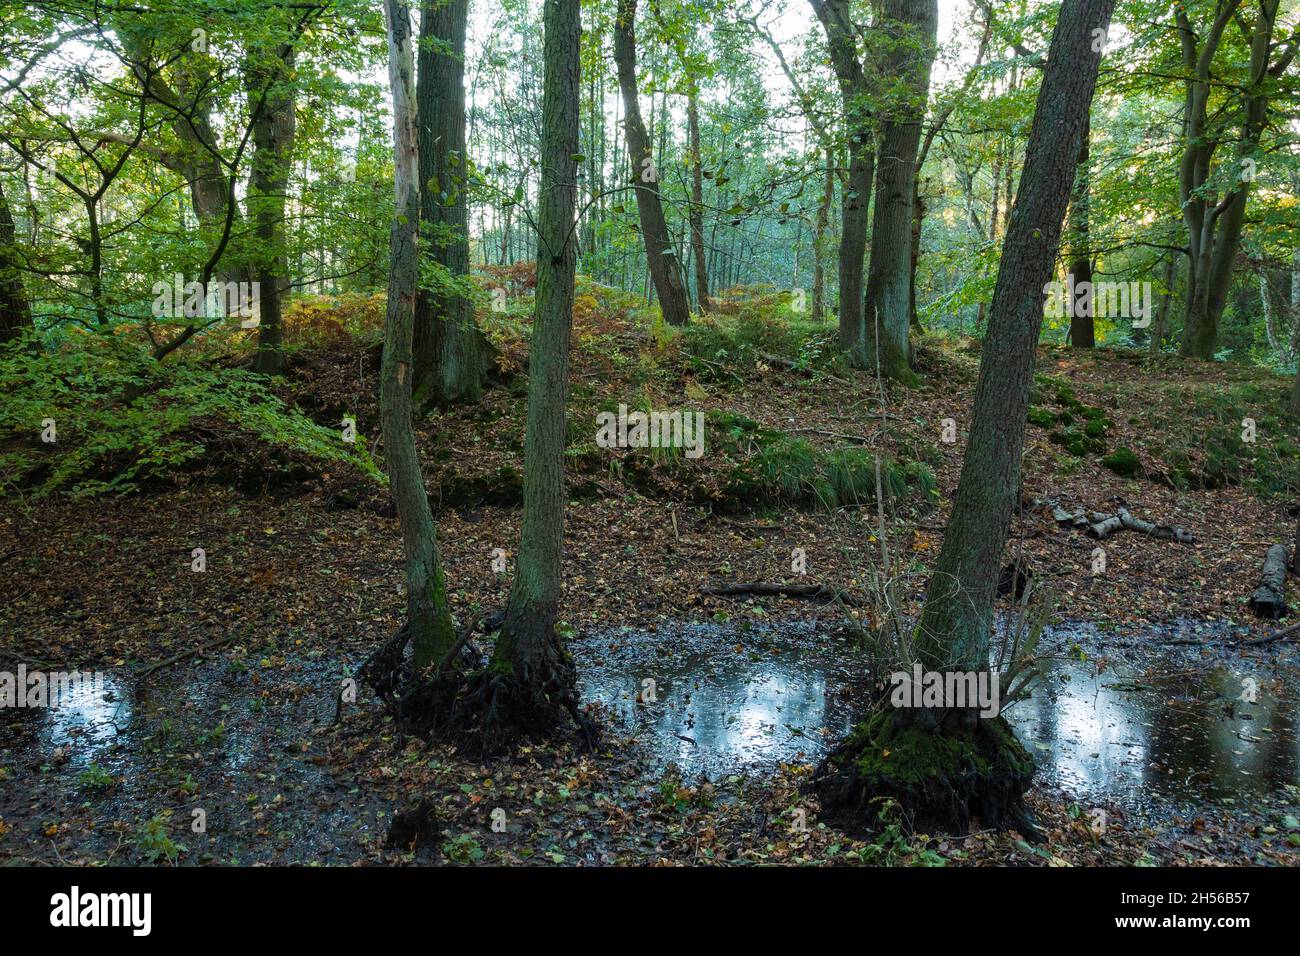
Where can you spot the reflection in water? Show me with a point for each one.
(716, 712)
(1174, 735)
(89, 715)
(790, 694)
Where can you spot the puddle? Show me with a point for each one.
(242, 743)
(236, 742)
(728, 700)
(722, 700)
(1175, 736)
(88, 717)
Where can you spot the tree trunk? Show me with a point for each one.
(268, 181)
(530, 681)
(911, 26)
(947, 766)
(1295, 550)
(1082, 329)
(661, 258)
(15, 311)
(452, 356)
(819, 238)
(958, 610)
(855, 201)
(1159, 329)
(428, 615)
(697, 200)
(1214, 225)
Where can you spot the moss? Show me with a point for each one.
(1077, 442)
(941, 779)
(1123, 462)
(1042, 417)
(1095, 428)
(435, 635)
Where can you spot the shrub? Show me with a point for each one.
(120, 417)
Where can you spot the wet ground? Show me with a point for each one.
(1174, 714)
(225, 738)
(246, 741)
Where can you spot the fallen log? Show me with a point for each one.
(1162, 531)
(1104, 526)
(812, 591)
(1269, 599)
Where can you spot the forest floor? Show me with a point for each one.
(304, 579)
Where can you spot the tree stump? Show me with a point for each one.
(1269, 599)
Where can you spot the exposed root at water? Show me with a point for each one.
(941, 773)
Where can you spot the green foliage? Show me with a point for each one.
(1123, 462)
(95, 777)
(463, 848)
(122, 417)
(785, 470)
(740, 339)
(154, 842)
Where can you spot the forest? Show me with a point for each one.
(573, 433)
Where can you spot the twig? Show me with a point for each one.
(813, 591)
(183, 655)
(1275, 636)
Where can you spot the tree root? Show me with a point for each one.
(940, 774)
(483, 709)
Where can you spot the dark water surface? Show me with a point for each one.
(728, 700)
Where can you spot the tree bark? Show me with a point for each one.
(957, 619)
(911, 27)
(452, 356)
(427, 611)
(697, 199)
(661, 257)
(1214, 225)
(530, 680)
(1269, 598)
(855, 197)
(15, 310)
(1082, 328)
(819, 238)
(268, 181)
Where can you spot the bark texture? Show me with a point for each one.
(427, 612)
(855, 197)
(910, 28)
(661, 255)
(15, 310)
(529, 684)
(452, 355)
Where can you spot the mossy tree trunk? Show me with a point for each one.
(820, 230)
(529, 683)
(945, 767)
(908, 30)
(427, 610)
(452, 355)
(661, 255)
